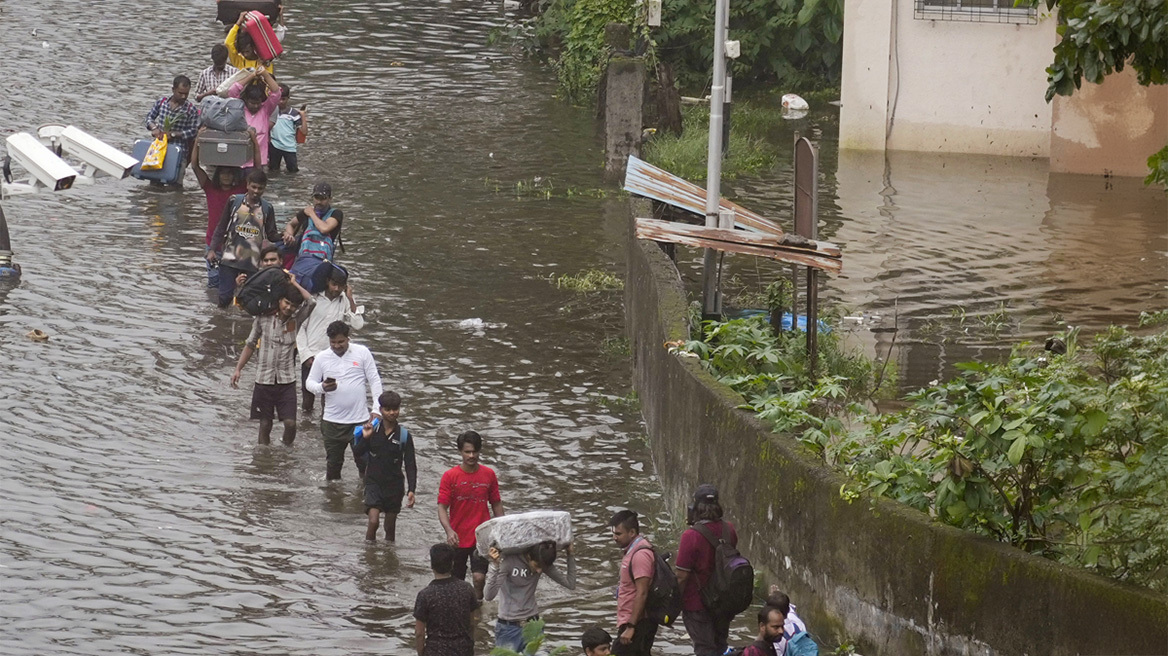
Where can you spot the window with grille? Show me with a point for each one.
(975, 11)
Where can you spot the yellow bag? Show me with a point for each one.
(155, 156)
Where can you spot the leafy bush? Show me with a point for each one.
(793, 42)
(1065, 456)
(685, 154)
(577, 27)
(797, 43)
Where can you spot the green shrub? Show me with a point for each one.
(1065, 456)
(797, 43)
(581, 57)
(685, 154)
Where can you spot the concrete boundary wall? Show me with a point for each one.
(880, 574)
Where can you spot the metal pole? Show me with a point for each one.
(711, 302)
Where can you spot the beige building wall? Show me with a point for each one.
(864, 89)
(1109, 128)
(944, 86)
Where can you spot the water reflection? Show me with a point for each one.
(973, 254)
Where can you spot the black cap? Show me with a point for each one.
(322, 189)
(706, 493)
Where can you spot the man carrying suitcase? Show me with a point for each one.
(175, 117)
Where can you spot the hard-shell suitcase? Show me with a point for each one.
(267, 45)
(172, 167)
(224, 148)
(228, 11)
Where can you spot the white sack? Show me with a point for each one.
(519, 532)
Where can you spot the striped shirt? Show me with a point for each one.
(210, 79)
(275, 344)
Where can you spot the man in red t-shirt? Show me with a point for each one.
(467, 495)
(708, 628)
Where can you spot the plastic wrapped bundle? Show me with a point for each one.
(519, 532)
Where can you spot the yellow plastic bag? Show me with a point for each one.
(155, 156)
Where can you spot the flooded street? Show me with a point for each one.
(137, 515)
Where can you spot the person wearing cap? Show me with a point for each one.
(317, 227)
(708, 628)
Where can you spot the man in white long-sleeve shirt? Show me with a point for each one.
(335, 303)
(344, 370)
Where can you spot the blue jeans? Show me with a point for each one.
(509, 636)
(212, 271)
(227, 275)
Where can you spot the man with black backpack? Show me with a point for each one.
(635, 629)
(714, 587)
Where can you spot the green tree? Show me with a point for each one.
(1099, 37)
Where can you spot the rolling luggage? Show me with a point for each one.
(172, 167)
(267, 45)
(228, 11)
(218, 148)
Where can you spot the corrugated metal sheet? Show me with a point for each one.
(820, 255)
(644, 179)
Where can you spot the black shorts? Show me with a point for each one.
(478, 564)
(385, 496)
(269, 400)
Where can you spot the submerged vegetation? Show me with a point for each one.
(1063, 455)
(586, 282)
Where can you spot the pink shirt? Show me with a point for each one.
(261, 121)
(639, 561)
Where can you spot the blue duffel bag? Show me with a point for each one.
(312, 272)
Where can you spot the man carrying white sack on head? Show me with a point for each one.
(514, 578)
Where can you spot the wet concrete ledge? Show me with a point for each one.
(881, 575)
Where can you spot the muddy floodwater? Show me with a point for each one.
(137, 515)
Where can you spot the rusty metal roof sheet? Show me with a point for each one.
(644, 179)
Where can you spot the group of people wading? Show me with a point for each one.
(308, 336)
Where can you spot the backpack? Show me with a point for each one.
(663, 604)
(801, 644)
(260, 293)
(314, 242)
(730, 588)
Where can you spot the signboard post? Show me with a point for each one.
(807, 225)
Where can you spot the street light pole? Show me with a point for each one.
(711, 296)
